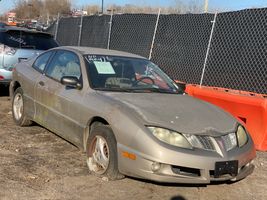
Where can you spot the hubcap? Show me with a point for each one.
(99, 160)
(18, 106)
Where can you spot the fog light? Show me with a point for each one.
(250, 163)
(155, 166)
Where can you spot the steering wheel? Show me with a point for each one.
(144, 78)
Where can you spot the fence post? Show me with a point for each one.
(208, 49)
(110, 28)
(80, 31)
(154, 35)
(55, 36)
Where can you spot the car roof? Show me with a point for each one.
(8, 28)
(99, 51)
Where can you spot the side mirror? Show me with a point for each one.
(71, 82)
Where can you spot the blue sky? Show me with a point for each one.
(6, 5)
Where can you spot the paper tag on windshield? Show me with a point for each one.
(104, 67)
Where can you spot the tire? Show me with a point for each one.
(18, 109)
(101, 150)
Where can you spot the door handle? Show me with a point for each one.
(41, 83)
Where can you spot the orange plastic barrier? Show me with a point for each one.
(249, 108)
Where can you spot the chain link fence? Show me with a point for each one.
(95, 31)
(238, 54)
(231, 55)
(68, 31)
(52, 28)
(133, 33)
(181, 44)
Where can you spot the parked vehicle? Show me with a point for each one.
(31, 24)
(3, 25)
(41, 27)
(21, 24)
(17, 44)
(129, 117)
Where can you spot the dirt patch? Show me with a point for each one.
(36, 164)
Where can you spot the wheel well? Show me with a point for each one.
(94, 121)
(16, 85)
(97, 120)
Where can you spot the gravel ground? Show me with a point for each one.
(37, 164)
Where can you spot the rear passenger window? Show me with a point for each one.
(41, 61)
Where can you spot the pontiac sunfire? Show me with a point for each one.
(129, 117)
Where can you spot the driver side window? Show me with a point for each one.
(64, 63)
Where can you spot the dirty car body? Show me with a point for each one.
(130, 117)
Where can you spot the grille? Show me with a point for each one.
(185, 171)
(206, 142)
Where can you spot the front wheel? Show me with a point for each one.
(18, 109)
(102, 153)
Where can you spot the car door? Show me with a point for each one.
(39, 86)
(60, 108)
(30, 75)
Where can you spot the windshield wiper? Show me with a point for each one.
(156, 90)
(114, 89)
(140, 89)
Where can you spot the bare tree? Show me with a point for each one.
(192, 6)
(92, 9)
(28, 9)
(2, 18)
(180, 7)
(58, 6)
(196, 6)
(46, 9)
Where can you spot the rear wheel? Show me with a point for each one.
(18, 109)
(102, 153)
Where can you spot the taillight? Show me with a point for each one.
(2, 47)
(7, 50)
(1, 78)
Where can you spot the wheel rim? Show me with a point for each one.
(99, 159)
(18, 106)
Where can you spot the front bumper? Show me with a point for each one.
(180, 167)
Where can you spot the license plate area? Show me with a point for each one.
(226, 167)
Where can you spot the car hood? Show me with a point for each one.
(181, 113)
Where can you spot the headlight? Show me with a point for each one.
(229, 141)
(242, 136)
(170, 137)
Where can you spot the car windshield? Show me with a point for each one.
(27, 40)
(123, 74)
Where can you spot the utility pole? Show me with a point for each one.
(30, 5)
(102, 7)
(206, 6)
